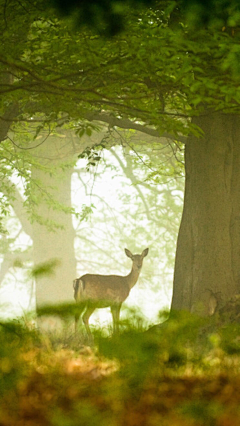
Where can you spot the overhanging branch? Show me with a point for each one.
(125, 123)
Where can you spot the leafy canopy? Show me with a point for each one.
(157, 71)
(154, 76)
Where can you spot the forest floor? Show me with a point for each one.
(137, 379)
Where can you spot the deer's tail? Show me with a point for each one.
(78, 286)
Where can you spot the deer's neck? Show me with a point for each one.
(132, 278)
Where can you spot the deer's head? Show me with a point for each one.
(137, 259)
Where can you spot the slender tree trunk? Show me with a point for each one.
(207, 267)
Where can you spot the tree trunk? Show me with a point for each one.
(207, 266)
(58, 244)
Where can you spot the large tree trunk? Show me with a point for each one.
(207, 268)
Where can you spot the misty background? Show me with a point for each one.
(120, 199)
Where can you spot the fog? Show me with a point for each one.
(112, 213)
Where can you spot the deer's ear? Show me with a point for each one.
(145, 252)
(128, 253)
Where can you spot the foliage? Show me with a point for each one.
(46, 268)
(107, 17)
(20, 185)
(213, 13)
(129, 79)
(154, 76)
(127, 379)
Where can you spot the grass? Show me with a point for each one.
(183, 373)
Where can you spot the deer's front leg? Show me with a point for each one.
(115, 310)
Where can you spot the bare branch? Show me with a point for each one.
(130, 175)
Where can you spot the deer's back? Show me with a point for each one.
(107, 288)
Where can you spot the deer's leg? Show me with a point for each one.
(76, 321)
(77, 315)
(115, 309)
(90, 309)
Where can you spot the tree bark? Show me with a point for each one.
(207, 266)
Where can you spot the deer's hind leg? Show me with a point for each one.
(90, 309)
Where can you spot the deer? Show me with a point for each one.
(92, 291)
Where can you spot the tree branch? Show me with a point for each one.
(7, 119)
(125, 123)
(17, 205)
(130, 175)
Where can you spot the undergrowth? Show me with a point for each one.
(183, 372)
